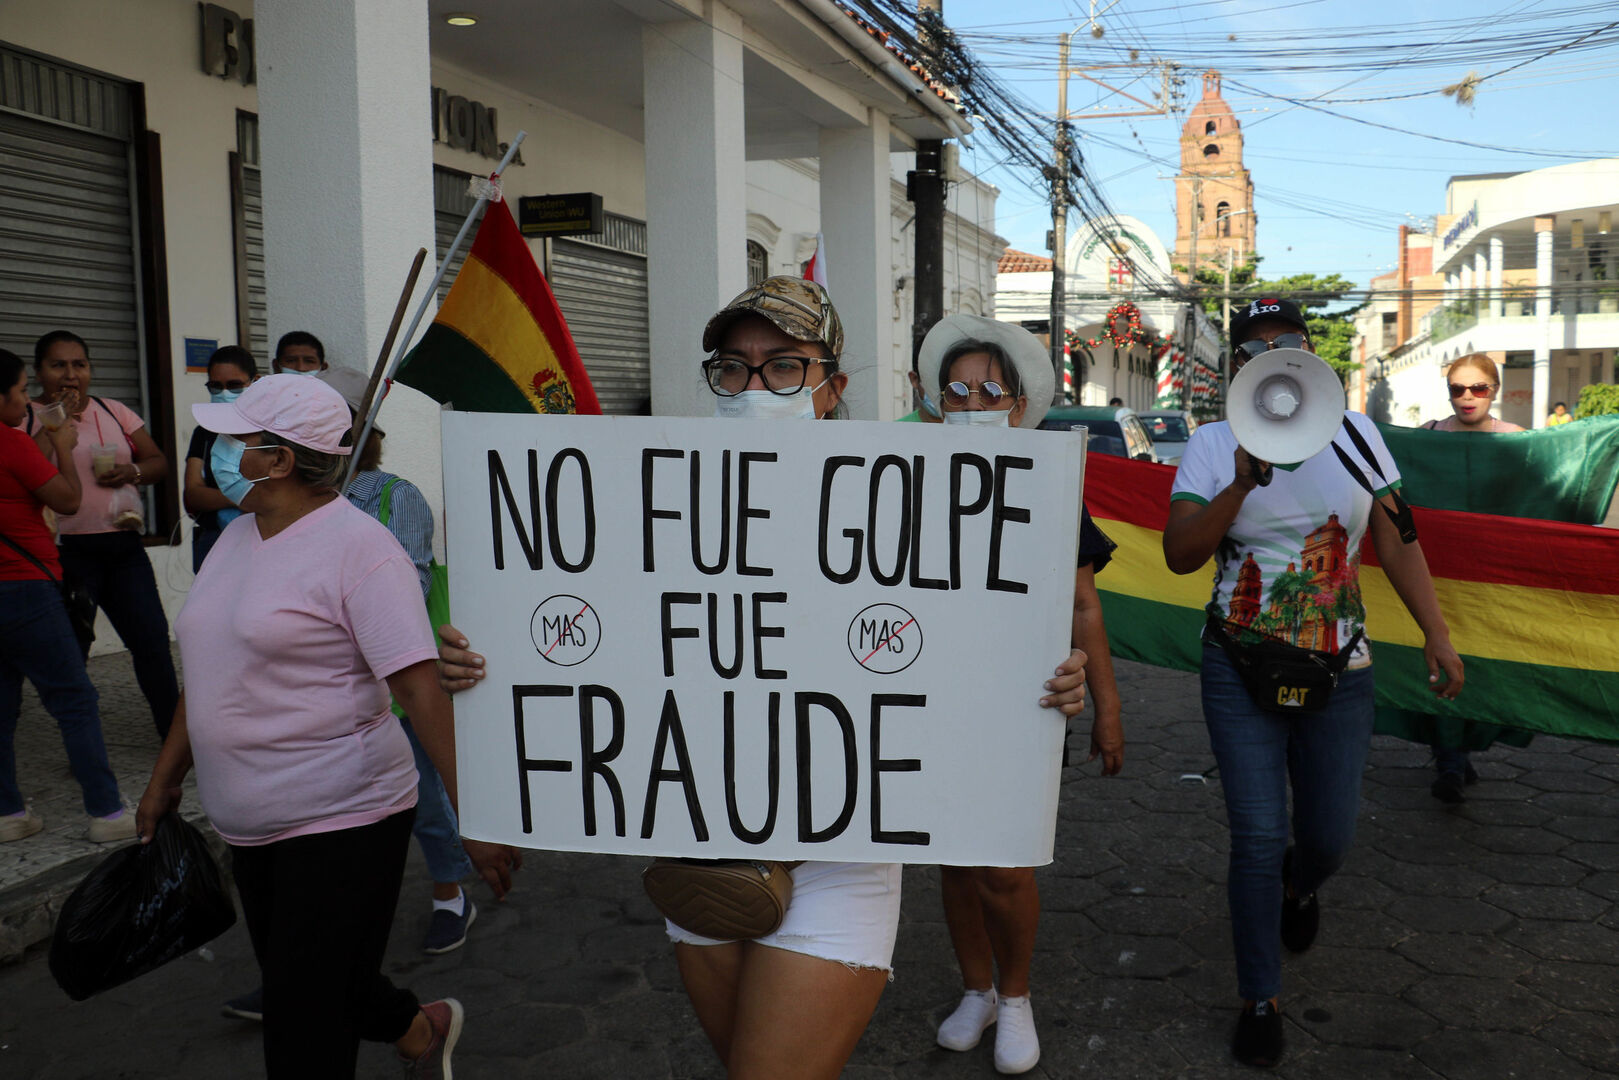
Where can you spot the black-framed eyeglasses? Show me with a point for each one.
(783, 375)
(214, 386)
(957, 394)
(1258, 346)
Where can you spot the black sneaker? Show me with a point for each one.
(1470, 775)
(447, 931)
(1447, 788)
(1301, 915)
(250, 1006)
(1258, 1038)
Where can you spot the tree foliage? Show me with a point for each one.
(1598, 399)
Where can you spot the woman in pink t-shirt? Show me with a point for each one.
(301, 621)
(101, 542)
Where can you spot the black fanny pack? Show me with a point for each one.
(1283, 678)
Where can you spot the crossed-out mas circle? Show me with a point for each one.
(565, 630)
(885, 638)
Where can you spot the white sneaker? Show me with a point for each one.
(963, 1028)
(1017, 1047)
(105, 830)
(18, 826)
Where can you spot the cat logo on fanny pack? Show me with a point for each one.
(1292, 696)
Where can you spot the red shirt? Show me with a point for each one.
(23, 469)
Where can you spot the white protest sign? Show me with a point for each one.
(785, 640)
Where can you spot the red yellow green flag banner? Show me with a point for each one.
(1533, 608)
(499, 343)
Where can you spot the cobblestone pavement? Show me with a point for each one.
(1474, 942)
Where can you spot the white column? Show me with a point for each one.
(347, 150)
(1543, 316)
(856, 221)
(696, 196)
(1466, 278)
(1481, 278)
(1497, 267)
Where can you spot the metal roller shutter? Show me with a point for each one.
(258, 307)
(451, 204)
(603, 295)
(67, 230)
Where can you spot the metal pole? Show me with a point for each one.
(1059, 226)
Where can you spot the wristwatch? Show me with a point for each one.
(137, 469)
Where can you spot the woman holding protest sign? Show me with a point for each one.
(305, 616)
(986, 372)
(793, 1002)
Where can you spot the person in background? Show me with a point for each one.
(299, 353)
(990, 372)
(36, 638)
(927, 410)
(301, 622)
(231, 370)
(1473, 381)
(1115, 403)
(400, 506)
(1256, 535)
(1559, 415)
(791, 1005)
(101, 543)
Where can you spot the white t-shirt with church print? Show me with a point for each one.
(1289, 567)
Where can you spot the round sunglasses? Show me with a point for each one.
(957, 394)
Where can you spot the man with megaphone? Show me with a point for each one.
(1280, 495)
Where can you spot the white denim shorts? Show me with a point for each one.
(847, 912)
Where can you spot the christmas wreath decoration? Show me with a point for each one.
(1132, 334)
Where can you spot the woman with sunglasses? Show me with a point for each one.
(991, 373)
(230, 371)
(1287, 563)
(1473, 381)
(794, 1003)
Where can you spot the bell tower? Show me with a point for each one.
(1214, 195)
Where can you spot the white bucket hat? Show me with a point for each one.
(1033, 363)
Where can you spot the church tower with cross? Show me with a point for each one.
(1214, 195)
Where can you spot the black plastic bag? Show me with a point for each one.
(144, 905)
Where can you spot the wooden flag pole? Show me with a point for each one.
(360, 429)
(432, 291)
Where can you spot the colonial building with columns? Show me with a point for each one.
(1523, 267)
(177, 176)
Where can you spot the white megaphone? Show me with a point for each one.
(1285, 406)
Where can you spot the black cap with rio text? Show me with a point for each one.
(1267, 308)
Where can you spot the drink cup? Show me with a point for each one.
(53, 416)
(103, 459)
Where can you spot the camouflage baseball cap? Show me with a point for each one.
(797, 307)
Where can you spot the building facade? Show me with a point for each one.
(1215, 224)
(1523, 267)
(1118, 275)
(181, 176)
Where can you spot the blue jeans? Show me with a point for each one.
(1323, 754)
(37, 643)
(119, 575)
(436, 828)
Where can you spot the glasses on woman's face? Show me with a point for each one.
(1478, 389)
(957, 394)
(215, 386)
(783, 375)
(1255, 347)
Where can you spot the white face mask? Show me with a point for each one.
(980, 418)
(763, 405)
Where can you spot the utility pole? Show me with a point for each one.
(1188, 365)
(1059, 227)
(926, 190)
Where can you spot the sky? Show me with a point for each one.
(1330, 192)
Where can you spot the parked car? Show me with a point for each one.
(1170, 429)
(1110, 430)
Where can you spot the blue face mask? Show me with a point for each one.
(928, 406)
(226, 460)
(224, 397)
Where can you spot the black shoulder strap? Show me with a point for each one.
(25, 553)
(1401, 514)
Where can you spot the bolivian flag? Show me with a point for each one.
(1533, 608)
(499, 343)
